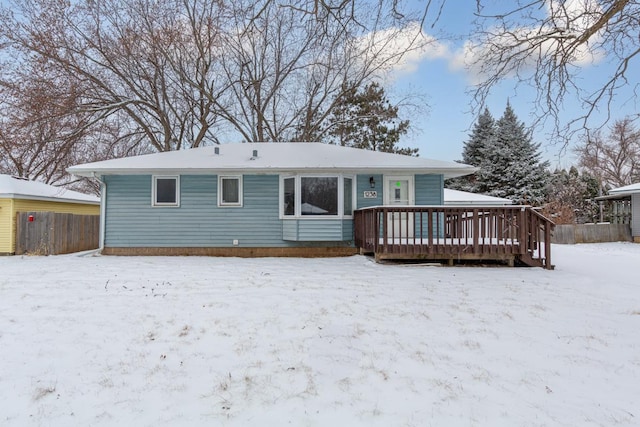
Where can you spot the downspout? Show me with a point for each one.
(103, 211)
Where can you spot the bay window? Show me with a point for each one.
(316, 196)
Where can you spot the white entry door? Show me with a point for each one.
(399, 192)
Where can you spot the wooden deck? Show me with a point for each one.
(512, 234)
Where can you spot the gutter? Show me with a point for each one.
(103, 211)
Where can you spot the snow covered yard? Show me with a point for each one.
(97, 340)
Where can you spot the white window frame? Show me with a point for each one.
(298, 195)
(224, 204)
(154, 193)
(353, 196)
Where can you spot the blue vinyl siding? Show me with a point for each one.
(317, 230)
(363, 185)
(347, 230)
(429, 191)
(290, 229)
(131, 221)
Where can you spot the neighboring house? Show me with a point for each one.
(255, 199)
(632, 191)
(463, 198)
(20, 195)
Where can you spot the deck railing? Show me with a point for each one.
(441, 232)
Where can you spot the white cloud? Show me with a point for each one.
(567, 19)
(400, 51)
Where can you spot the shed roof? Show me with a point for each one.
(271, 157)
(627, 189)
(620, 193)
(19, 188)
(461, 198)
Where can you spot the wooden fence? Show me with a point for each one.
(51, 233)
(570, 234)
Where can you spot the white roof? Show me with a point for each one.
(272, 157)
(627, 189)
(461, 198)
(17, 188)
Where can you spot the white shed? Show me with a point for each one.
(464, 198)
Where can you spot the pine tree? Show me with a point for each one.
(511, 166)
(366, 119)
(482, 134)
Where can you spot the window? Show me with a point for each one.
(348, 197)
(319, 196)
(230, 191)
(316, 196)
(289, 199)
(166, 191)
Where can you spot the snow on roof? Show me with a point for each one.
(18, 188)
(271, 157)
(456, 197)
(627, 189)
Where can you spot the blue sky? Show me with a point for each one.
(444, 128)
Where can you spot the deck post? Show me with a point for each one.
(476, 229)
(547, 246)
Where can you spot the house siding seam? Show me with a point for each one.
(131, 221)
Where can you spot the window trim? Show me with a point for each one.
(154, 191)
(240, 201)
(298, 195)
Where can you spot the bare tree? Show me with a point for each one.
(286, 68)
(183, 72)
(543, 44)
(615, 159)
(40, 129)
(546, 44)
(147, 61)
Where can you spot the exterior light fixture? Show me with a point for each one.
(372, 182)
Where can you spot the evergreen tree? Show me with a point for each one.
(482, 134)
(366, 119)
(511, 166)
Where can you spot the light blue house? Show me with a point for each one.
(255, 199)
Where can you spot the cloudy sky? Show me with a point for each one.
(438, 72)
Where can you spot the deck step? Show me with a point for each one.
(532, 262)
